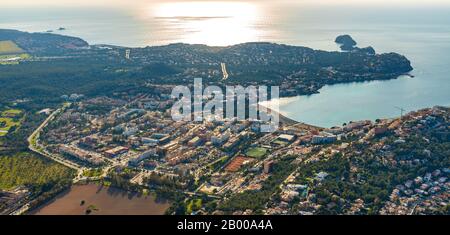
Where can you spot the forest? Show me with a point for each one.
(33, 171)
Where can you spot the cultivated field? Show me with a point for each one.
(9, 47)
(11, 113)
(9, 119)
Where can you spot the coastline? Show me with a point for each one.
(287, 100)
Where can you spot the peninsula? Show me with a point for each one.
(297, 70)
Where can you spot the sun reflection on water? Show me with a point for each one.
(211, 23)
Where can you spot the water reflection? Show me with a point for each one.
(212, 23)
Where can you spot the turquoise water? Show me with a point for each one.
(423, 37)
(421, 34)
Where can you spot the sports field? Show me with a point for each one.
(256, 152)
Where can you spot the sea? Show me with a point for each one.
(419, 32)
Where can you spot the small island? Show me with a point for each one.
(348, 44)
(346, 41)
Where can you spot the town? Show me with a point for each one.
(101, 114)
(218, 162)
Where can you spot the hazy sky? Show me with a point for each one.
(136, 2)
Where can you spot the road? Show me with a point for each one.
(21, 210)
(34, 146)
(224, 71)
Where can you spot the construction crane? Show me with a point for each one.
(402, 111)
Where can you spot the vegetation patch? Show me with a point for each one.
(9, 120)
(218, 163)
(193, 205)
(90, 209)
(11, 113)
(13, 59)
(256, 152)
(30, 170)
(6, 124)
(255, 200)
(9, 47)
(93, 173)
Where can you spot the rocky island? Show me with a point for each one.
(347, 44)
(346, 41)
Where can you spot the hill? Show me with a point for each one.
(42, 43)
